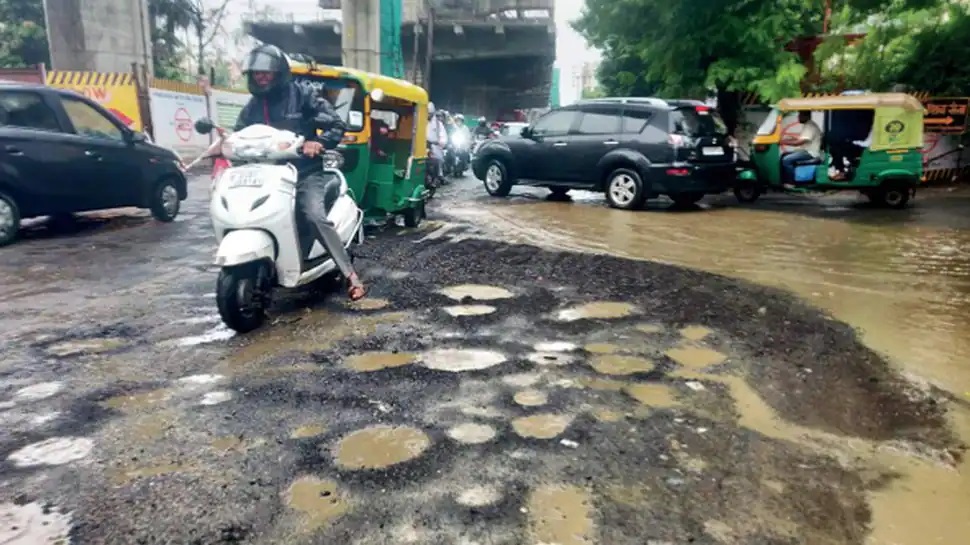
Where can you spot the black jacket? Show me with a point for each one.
(298, 110)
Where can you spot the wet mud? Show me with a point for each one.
(604, 400)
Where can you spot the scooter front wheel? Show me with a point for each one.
(239, 297)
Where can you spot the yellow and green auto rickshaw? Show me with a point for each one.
(872, 143)
(384, 149)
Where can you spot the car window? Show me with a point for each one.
(698, 121)
(599, 123)
(27, 110)
(555, 123)
(634, 121)
(89, 122)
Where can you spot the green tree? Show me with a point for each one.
(690, 46)
(23, 35)
(169, 18)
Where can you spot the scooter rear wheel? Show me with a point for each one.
(239, 299)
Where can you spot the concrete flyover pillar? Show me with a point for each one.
(98, 35)
(361, 34)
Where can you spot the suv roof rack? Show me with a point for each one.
(651, 101)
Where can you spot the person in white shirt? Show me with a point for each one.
(437, 138)
(808, 143)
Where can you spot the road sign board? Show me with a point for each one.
(946, 114)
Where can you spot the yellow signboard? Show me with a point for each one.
(116, 92)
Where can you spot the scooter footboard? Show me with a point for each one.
(245, 246)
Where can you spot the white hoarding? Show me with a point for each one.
(173, 118)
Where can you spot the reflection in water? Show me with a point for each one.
(905, 286)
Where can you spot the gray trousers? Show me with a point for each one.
(312, 195)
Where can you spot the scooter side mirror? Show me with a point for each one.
(204, 126)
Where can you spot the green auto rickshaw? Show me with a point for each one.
(878, 138)
(384, 149)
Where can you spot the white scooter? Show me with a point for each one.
(263, 243)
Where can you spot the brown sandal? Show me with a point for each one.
(356, 293)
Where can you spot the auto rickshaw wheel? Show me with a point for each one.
(891, 196)
(414, 215)
(747, 193)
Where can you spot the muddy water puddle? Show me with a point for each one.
(380, 447)
(902, 279)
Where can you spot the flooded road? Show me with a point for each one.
(900, 278)
(489, 392)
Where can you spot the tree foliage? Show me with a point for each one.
(23, 34)
(686, 48)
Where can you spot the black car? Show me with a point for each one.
(63, 153)
(632, 149)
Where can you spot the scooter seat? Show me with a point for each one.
(331, 191)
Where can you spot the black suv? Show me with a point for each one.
(632, 149)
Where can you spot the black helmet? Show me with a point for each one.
(266, 58)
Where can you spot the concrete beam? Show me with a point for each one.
(98, 35)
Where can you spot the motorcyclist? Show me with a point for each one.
(483, 129)
(283, 104)
(437, 137)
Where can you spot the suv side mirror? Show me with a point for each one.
(204, 126)
(137, 136)
(526, 132)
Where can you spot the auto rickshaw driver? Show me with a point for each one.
(808, 144)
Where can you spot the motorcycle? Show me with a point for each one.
(263, 243)
(457, 158)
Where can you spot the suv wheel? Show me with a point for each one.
(9, 220)
(624, 189)
(497, 181)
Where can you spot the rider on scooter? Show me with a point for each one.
(280, 102)
(483, 129)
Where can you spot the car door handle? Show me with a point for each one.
(93, 154)
(12, 150)
(611, 142)
(558, 144)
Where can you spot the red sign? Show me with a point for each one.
(121, 116)
(183, 124)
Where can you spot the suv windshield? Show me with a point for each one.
(693, 121)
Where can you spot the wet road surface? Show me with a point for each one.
(485, 393)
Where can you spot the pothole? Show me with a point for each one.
(85, 346)
(32, 523)
(37, 392)
(522, 380)
(552, 358)
(479, 496)
(458, 360)
(318, 500)
(469, 310)
(612, 364)
(472, 434)
(476, 292)
(531, 398)
(695, 332)
(53, 452)
(377, 361)
(556, 346)
(308, 431)
(605, 310)
(653, 395)
(541, 426)
(696, 358)
(380, 447)
(215, 398)
(602, 348)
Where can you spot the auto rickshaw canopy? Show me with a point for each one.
(368, 81)
(898, 120)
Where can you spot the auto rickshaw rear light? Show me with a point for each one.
(700, 109)
(678, 172)
(761, 148)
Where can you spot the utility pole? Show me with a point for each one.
(417, 46)
(429, 48)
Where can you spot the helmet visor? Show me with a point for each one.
(261, 61)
